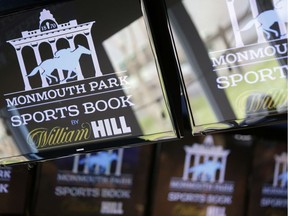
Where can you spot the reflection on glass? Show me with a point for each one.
(129, 50)
(9, 150)
(197, 99)
(244, 62)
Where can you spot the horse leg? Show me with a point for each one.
(69, 75)
(52, 76)
(49, 79)
(75, 75)
(267, 33)
(275, 32)
(48, 74)
(269, 29)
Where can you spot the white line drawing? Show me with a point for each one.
(284, 178)
(103, 160)
(208, 160)
(64, 59)
(265, 21)
(99, 163)
(50, 32)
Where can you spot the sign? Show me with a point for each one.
(268, 193)
(206, 176)
(234, 61)
(73, 79)
(109, 182)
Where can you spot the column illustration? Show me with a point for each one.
(234, 22)
(280, 177)
(54, 50)
(119, 162)
(255, 13)
(75, 164)
(50, 31)
(27, 85)
(186, 164)
(38, 60)
(207, 160)
(93, 54)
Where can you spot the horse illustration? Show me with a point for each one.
(266, 20)
(206, 171)
(284, 177)
(102, 159)
(64, 59)
(281, 7)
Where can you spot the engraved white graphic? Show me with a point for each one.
(213, 160)
(65, 59)
(262, 21)
(50, 32)
(99, 163)
(216, 211)
(280, 171)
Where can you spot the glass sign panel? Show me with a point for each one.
(113, 182)
(233, 57)
(75, 73)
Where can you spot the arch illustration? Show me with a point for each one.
(66, 31)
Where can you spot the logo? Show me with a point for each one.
(203, 178)
(213, 165)
(65, 59)
(275, 195)
(96, 175)
(50, 32)
(99, 163)
(263, 22)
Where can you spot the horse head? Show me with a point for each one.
(83, 50)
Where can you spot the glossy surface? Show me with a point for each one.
(74, 74)
(234, 65)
